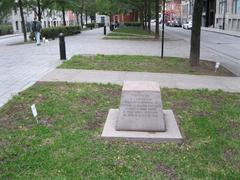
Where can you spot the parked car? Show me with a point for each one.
(187, 25)
(174, 23)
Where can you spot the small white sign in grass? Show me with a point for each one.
(34, 112)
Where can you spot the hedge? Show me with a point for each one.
(137, 24)
(5, 29)
(90, 25)
(53, 32)
(101, 24)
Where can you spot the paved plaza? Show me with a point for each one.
(23, 65)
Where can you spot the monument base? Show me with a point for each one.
(171, 135)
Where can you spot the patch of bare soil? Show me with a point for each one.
(7, 121)
(229, 156)
(168, 171)
(97, 121)
(110, 92)
(179, 105)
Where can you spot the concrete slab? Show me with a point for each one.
(172, 134)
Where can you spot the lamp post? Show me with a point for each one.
(224, 13)
(163, 21)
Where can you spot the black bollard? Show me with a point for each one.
(105, 30)
(62, 47)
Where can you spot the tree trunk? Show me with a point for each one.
(145, 14)
(77, 17)
(157, 19)
(149, 15)
(63, 14)
(81, 16)
(23, 20)
(196, 33)
(39, 13)
(141, 18)
(86, 17)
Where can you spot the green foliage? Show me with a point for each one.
(5, 29)
(5, 8)
(100, 24)
(53, 32)
(90, 25)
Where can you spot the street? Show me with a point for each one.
(226, 48)
(23, 64)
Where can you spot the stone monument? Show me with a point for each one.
(141, 116)
(141, 108)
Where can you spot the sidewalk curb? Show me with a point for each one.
(220, 32)
(9, 36)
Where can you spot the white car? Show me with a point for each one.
(187, 25)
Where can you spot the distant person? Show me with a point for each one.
(36, 28)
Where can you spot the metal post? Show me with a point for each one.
(62, 47)
(163, 20)
(105, 30)
(224, 13)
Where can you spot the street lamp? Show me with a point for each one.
(224, 3)
(163, 21)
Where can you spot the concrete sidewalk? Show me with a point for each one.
(11, 35)
(181, 81)
(220, 31)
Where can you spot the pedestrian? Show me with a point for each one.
(36, 28)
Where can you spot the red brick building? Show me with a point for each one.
(131, 16)
(173, 10)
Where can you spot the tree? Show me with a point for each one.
(5, 8)
(20, 4)
(39, 6)
(157, 2)
(196, 33)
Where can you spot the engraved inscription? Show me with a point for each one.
(140, 105)
(141, 111)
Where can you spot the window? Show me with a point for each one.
(236, 6)
(222, 6)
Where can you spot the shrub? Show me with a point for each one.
(5, 29)
(53, 32)
(101, 24)
(90, 25)
(136, 24)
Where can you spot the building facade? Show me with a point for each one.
(186, 11)
(130, 16)
(221, 14)
(209, 11)
(208, 16)
(173, 10)
(228, 15)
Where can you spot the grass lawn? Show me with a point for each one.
(130, 33)
(142, 64)
(66, 144)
